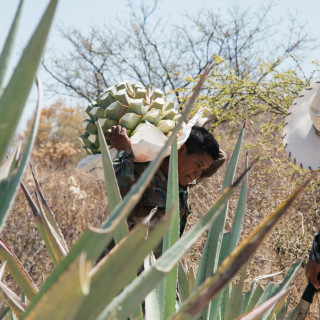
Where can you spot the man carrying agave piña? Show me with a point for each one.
(198, 158)
(136, 122)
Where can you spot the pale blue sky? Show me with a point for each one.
(83, 13)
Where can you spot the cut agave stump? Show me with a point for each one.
(127, 105)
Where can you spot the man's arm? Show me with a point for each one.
(313, 265)
(123, 163)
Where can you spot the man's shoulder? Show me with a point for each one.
(158, 177)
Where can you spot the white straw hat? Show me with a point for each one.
(301, 129)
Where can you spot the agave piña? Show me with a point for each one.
(127, 104)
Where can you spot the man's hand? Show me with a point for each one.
(118, 138)
(312, 271)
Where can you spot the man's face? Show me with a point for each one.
(190, 166)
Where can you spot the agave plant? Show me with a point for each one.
(111, 290)
(13, 97)
(79, 289)
(12, 101)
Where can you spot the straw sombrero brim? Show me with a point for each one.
(299, 137)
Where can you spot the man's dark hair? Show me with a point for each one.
(201, 140)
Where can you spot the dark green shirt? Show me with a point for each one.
(128, 172)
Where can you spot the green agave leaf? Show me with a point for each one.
(17, 270)
(93, 241)
(11, 163)
(172, 236)
(11, 103)
(229, 243)
(137, 290)
(265, 307)
(137, 315)
(48, 214)
(276, 289)
(53, 238)
(225, 297)
(191, 278)
(38, 221)
(157, 294)
(211, 287)
(211, 253)
(246, 299)
(8, 187)
(153, 301)
(8, 47)
(24, 298)
(113, 192)
(254, 296)
(183, 283)
(120, 266)
(65, 297)
(236, 299)
(10, 316)
(4, 310)
(233, 240)
(11, 299)
(280, 309)
(225, 245)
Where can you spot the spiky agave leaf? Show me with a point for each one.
(112, 188)
(54, 243)
(37, 217)
(183, 284)
(212, 250)
(259, 311)
(4, 310)
(47, 212)
(11, 163)
(153, 306)
(162, 299)
(172, 236)
(10, 183)
(11, 299)
(9, 45)
(212, 285)
(22, 80)
(54, 240)
(276, 288)
(64, 298)
(228, 244)
(235, 298)
(17, 270)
